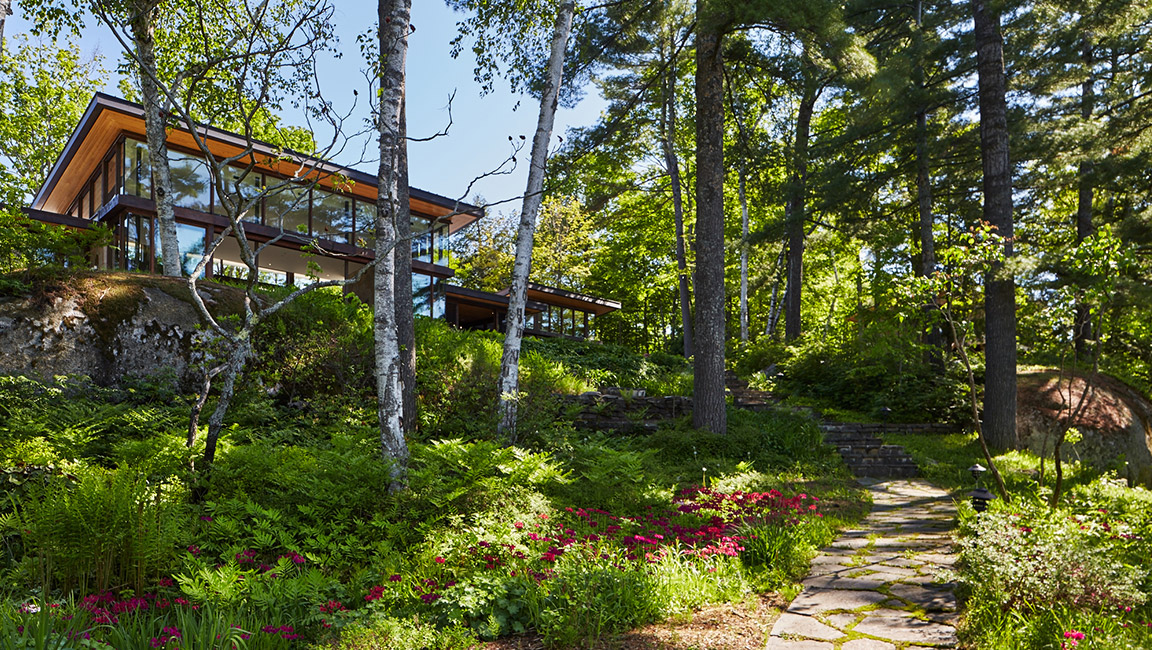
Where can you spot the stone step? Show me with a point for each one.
(867, 455)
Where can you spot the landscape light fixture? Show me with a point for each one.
(980, 496)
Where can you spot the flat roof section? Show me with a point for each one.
(570, 299)
(107, 117)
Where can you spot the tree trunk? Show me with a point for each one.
(239, 352)
(143, 36)
(795, 217)
(533, 196)
(708, 407)
(405, 316)
(933, 338)
(1084, 226)
(668, 119)
(743, 255)
(1000, 286)
(394, 18)
(5, 11)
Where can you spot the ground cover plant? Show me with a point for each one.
(1038, 577)
(574, 535)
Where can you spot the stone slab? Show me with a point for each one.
(815, 602)
(867, 644)
(928, 599)
(841, 621)
(777, 643)
(805, 626)
(843, 582)
(908, 630)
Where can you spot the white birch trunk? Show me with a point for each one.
(143, 36)
(533, 196)
(5, 11)
(394, 16)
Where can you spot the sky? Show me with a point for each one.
(477, 140)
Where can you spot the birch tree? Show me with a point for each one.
(5, 11)
(393, 29)
(505, 35)
(533, 195)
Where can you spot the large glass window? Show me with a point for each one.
(191, 181)
(248, 185)
(365, 224)
(438, 302)
(288, 209)
(137, 169)
(331, 216)
(190, 244)
(421, 294)
(137, 243)
(421, 240)
(441, 243)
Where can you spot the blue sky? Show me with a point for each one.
(478, 138)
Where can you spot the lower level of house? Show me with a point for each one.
(294, 260)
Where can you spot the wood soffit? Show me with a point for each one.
(107, 118)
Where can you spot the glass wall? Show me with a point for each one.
(421, 294)
(299, 209)
(332, 216)
(365, 224)
(288, 210)
(421, 240)
(135, 250)
(249, 186)
(137, 169)
(191, 181)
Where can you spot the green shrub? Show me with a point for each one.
(106, 528)
(590, 597)
(1037, 559)
(320, 344)
(388, 633)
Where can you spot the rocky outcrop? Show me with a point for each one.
(1114, 428)
(107, 329)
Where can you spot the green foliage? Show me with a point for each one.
(591, 598)
(318, 345)
(778, 554)
(875, 367)
(108, 527)
(1035, 576)
(402, 634)
(44, 89)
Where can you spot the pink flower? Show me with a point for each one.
(519, 525)
(440, 560)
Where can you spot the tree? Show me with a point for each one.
(504, 32)
(5, 11)
(394, 28)
(44, 90)
(708, 408)
(1000, 285)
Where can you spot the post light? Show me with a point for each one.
(885, 413)
(980, 496)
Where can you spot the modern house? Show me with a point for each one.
(321, 224)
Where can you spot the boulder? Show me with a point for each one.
(1114, 425)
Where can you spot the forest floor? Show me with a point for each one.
(726, 626)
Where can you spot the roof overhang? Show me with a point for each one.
(107, 117)
(571, 299)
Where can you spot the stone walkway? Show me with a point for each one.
(876, 587)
